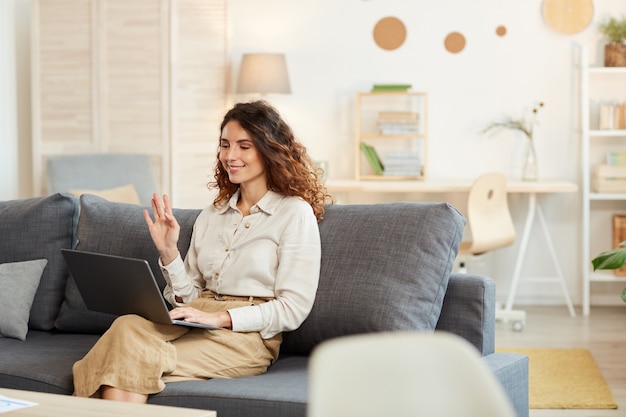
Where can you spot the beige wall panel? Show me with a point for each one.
(199, 85)
(144, 76)
(132, 87)
(195, 171)
(198, 96)
(65, 77)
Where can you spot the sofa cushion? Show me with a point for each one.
(280, 392)
(115, 229)
(37, 228)
(384, 267)
(19, 282)
(43, 362)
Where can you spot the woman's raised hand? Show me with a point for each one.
(165, 229)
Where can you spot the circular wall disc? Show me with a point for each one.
(455, 42)
(568, 16)
(389, 33)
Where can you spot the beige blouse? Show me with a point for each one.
(273, 252)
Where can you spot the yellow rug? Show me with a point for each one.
(565, 378)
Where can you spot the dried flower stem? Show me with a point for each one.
(523, 125)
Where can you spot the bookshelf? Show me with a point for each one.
(603, 146)
(391, 135)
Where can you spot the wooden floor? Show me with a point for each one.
(603, 332)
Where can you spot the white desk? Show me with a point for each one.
(532, 188)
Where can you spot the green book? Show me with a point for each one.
(372, 158)
(391, 87)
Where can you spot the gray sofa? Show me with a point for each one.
(384, 267)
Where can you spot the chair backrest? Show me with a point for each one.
(403, 374)
(100, 172)
(488, 215)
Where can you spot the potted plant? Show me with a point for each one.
(612, 259)
(615, 51)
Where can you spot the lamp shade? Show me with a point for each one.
(263, 74)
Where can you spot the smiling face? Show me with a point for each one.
(240, 157)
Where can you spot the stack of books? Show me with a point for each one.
(398, 123)
(612, 116)
(403, 163)
(616, 158)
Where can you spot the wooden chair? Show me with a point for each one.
(488, 216)
(491, 226)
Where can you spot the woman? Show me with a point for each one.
(252, 268)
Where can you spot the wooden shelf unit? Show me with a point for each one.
(411, 110)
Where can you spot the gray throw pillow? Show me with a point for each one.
(115, 229)
(37, 228)
(384, 267)
(19, 282)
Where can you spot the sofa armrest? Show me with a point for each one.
(469, 310)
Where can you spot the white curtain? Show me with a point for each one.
(8, 103)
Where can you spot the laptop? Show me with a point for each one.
(120, 285)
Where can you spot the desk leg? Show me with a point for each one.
(528, 224)
(555, 260)
(533, 208)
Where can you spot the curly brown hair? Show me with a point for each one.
(289, 169)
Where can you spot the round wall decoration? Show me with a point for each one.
(568, 16)
(389, 33)
(454, 42)
(501, 30)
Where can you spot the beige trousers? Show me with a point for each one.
(140, 356)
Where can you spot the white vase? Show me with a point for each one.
(529, 172)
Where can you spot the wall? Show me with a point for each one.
(8, 113)
(15, 158)
(331, 55)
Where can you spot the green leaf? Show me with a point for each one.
(613, 259)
